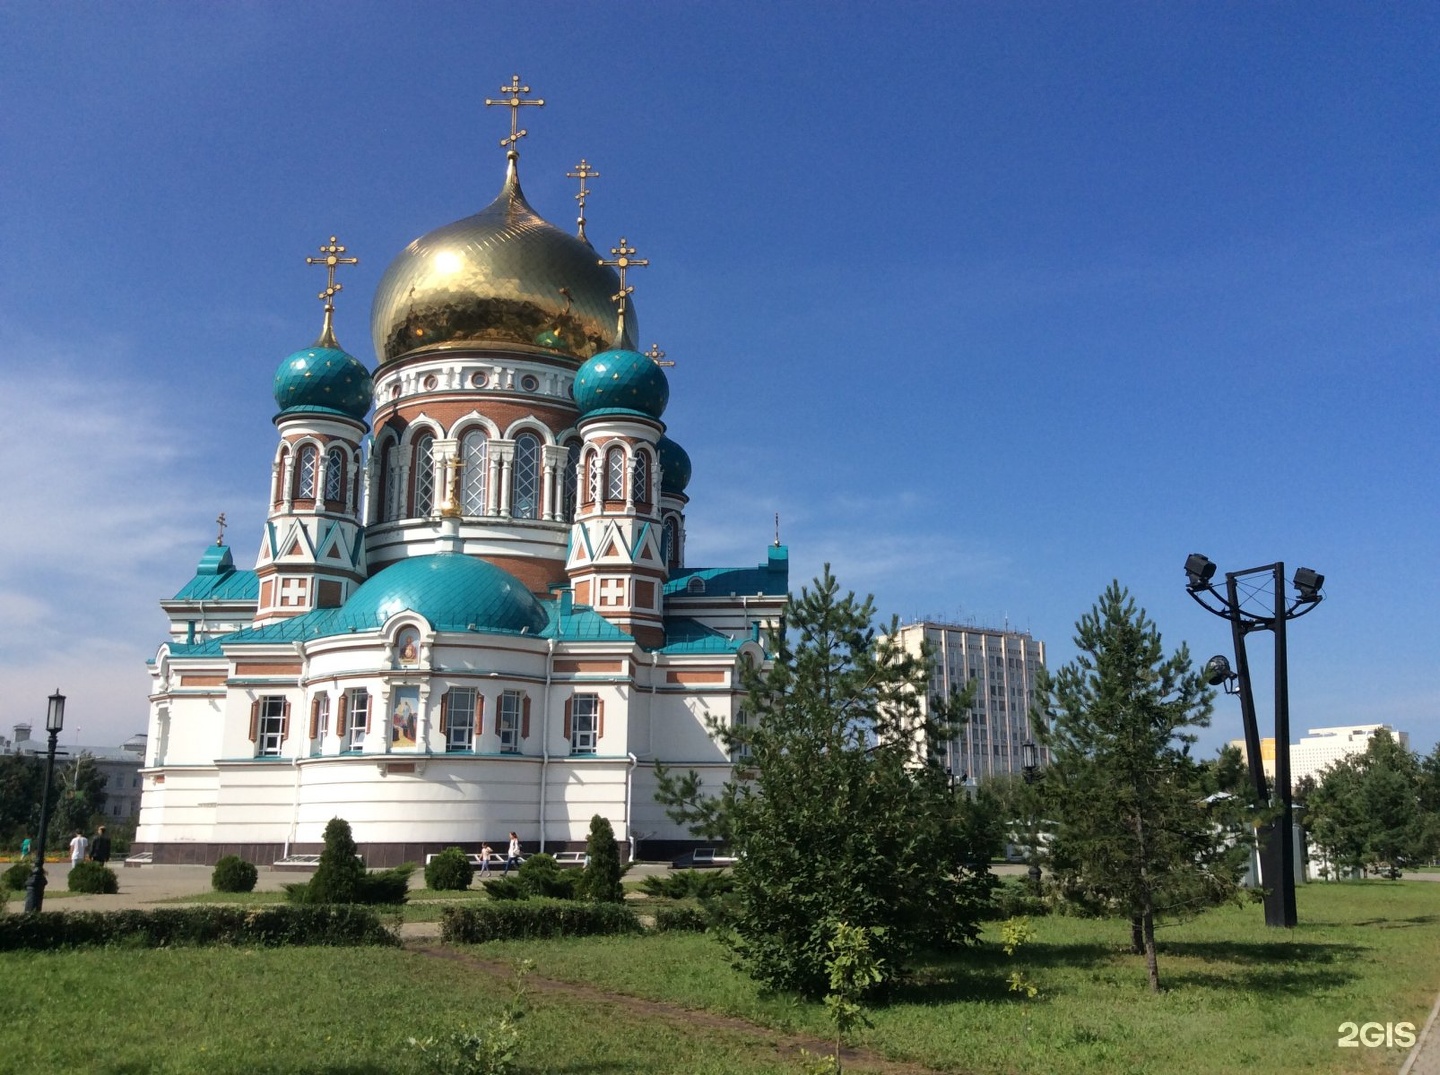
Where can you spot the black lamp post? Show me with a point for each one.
(35, 884)
(1030, 767)
(1247, 613)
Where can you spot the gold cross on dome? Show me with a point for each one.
(657, 356)
(514, 101)
(624, 259)
(582, 172)
(220, 522)
(332, 259)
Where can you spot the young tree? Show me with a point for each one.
(340, 874)
(1135, 830)
(843, 812)
(1367, 810)
(601, 879)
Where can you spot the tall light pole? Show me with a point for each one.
(35, 883)
(1244, 606)
(1030, 767)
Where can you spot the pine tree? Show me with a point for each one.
(340, 874)
(842, 812)
(601, 879)
(1369, 809)
(1135, 833)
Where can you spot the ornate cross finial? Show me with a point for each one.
(624, 259)
(332, 251)
(777, 529)
(514, 101)
(220, 522)
(657, 356)
(582, 172)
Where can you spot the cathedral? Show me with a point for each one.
(470, 611)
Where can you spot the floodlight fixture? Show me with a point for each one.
(1217, 670)
(1199, 570)
(1308, 582)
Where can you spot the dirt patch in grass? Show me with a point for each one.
(786, 1046)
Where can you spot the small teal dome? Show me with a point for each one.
(622, 380)
(674, 466)
(453, 591)
(324, 378)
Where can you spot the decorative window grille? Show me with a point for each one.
(391, 499)
(670, 541)
(472, 474)
(334, 474)
(584, 723)
(270, 731)
(572, 467)
(525, 504)
(460, 720)
(592, 478)
(424, 476)
(508, 721)
(641, 482)
(615, 474)
(305, 485)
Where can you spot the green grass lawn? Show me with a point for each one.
(1239, 997)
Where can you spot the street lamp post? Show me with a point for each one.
(1030, 767)
(35, 883)
(1277, 849)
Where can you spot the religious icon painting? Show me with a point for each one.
(408, 646)
(404, 716)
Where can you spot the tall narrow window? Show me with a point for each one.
(742, 750)
(584, 723)
(390, 491)
(424, 476)
(321, 726)
(357, 718)
(640, 483)
(508, 720)
(460, 719)
(615, 474)
(269, 725)
(472, 474)
(334, 474)
(572, 468)
(525, 504)
(305, 478)
(670, 541)
(592, 478)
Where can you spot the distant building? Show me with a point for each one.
(1322, 748)
(120, 766)
(1002, 665)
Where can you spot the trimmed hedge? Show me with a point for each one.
(681, 920)
(529, 919)
(165, 927)
(234, 874)
(384, 886)
(449, 871)
(93, 877)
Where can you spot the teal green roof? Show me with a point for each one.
(621, 380)
(683, 635)
(771, 578)
(674, 466)
(324, 379)
(454, 592)
(217, 579)
(581, 623)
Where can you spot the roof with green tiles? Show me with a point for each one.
(771, 578)
(684, 635)
(217, 579)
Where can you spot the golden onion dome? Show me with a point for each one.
(503, 276)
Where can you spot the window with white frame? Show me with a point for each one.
(357, 718)
(525, 503)
(568, 490)
(742, 751)
(584, 723)
(390, 501)
(305, 483)
(334, 474)
(320, 717)
(424, 476)
(460, 719)
(269, 726)
(509, 719)
(472, 472)
(615, 474)
(640, 482)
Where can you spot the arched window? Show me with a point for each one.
(334, 474)
(670, 541)
(280, 464)
(525, 503)
(472, 473)
(615, 474)
(424, 477)
(572, 466)
(305, 473)
(390, 491)
(592, 477)
(640, 483)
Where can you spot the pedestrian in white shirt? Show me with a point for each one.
(78, 846)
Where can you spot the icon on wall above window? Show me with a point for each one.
(408, 646)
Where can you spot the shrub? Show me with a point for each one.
(384, 886)
(93, 877)
(600, 880)
(337, 877)
(1012, 898)
(16, 876)
(534, 919)
(505, 888)
(234, 874)
(538, 876)
(164, 927)
(681, 920)
(688, 884)
(449, 871)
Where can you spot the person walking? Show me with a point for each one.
(485, 854)
(100, 846)
(78, 846)
(25, 848)
(512, 856)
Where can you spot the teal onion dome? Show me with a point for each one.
(622, 380)
(324, 378)
(454, 592)
(674, 466)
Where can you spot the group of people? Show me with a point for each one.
(512, 857)
(81, 847)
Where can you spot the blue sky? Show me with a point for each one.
(993, 303)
